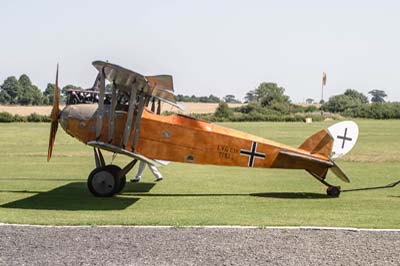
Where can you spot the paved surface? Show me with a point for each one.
(26, 245)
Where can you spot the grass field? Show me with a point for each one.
(36, 192)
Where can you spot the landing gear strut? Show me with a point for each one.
(107, 180)
(332, 191)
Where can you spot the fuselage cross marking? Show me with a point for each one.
(344, 138)
(252, 154)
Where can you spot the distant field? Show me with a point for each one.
(46, 110)
(36, 192)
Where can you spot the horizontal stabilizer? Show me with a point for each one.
(339, 172)
(306, 158)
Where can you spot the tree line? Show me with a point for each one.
(23, 92)
(267, 102)
(355, 104)
(230, 98)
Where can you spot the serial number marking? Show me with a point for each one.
(226, 152)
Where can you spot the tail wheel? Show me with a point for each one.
(333, 191)
(104, 181)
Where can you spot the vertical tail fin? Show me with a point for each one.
(320, 143)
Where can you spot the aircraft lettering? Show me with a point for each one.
(226, 152)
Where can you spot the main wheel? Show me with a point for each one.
(104, 181)
(333, 191)
(115, 171)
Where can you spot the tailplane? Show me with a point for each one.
(334, 142)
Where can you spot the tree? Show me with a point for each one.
(213, 99)
(20, 91)
(230, 99)
(268, 93)
(27, 90)
(68, 87)
(356, 95)
(37, 96)
(10, 91)
(195, 99)
(48, 93)
(223, 110)
(340, 103)
(251, 96)
(30, 94)
(309, 100)
(378, 96)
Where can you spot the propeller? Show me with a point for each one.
(55, 112)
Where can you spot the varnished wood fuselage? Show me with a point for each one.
(184, 139)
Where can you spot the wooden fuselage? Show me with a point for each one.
(181, 138)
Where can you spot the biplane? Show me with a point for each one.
(121, 121)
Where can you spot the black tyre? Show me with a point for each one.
(115, 171)
(333, 191)
(103, 181)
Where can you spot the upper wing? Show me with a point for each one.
(160, 86)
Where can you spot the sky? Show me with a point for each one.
(210, 47)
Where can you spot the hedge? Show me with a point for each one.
(6, 117)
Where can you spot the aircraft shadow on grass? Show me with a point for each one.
(281, 195)
(74, 197)
(291, 195)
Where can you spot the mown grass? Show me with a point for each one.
(36, 192)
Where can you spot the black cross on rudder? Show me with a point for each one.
(344, 138)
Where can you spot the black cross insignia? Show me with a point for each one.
(252, 154)
(344, 138)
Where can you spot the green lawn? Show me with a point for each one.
(36, 192)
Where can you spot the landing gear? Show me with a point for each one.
(107, 180)
(103, 181)
(333, 191)
(115, 171)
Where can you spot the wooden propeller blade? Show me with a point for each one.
(55, 112)
(53, 131)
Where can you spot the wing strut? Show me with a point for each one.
(142, 101)
(128, 123)
(100, 110)
(112, 114)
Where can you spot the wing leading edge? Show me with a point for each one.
(160, 86)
